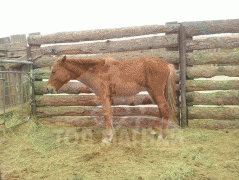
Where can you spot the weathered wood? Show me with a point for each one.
(197, 58)
(49, 111)
(195, 28)
(91, 100)
(214, 124)
(108, 46)
(15, 46)
(99, 121)
(192, 28)
(221, 113)
(208, 71)
(49, 60)
(69, 88)
(227, 42)
(203, 58)
(99, 34)
(214, 98)
(191, 85)
(17, 43)
(141, 44)
(5, 40)
(204, 85)
(183, 71)
(19, 38)
(17, 62)
(44, 73)
(16, 54)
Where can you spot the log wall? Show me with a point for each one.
(131, 42)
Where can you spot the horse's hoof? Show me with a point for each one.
(153, 132)
(106, 141)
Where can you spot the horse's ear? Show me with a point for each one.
(63, 59)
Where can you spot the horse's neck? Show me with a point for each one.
(90, 81)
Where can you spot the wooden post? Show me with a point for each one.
(33, 101)
(31, 48)
(182, 57)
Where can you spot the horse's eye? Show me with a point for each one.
(53, 72)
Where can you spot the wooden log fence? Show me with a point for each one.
(131, 42)
(145, 43)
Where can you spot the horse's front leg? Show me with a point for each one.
(107, 111)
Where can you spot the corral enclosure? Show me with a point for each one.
(176, 46)
(14, 79)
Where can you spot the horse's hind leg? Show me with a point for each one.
(164, 113)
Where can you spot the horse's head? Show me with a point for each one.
(71, 69)
(60, 75)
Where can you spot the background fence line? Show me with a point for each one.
(14, 80)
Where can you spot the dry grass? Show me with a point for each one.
(37, 151)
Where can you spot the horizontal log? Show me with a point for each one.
(98, 121)
(15, 46)
(108, 46)
(49, 111)
(137, 44)
(91, 100)
(220, 113)
(49, 60)
(203, 58)
(213, 98)
(44, 73)
(99, 34)
(196, 28)
(227, 42)
(16, 54)
(197, 58)
(206, 71)
(194, 112)
(17, 62)
(191, 85)
(214, 124)
(69, 88)
(204, 85)
(192, 28)
(5, 40)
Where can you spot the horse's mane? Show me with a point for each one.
(106, 60)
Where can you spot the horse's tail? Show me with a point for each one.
(171, 92)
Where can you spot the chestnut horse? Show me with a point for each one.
(108, 77)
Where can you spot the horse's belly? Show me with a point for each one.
(127, 89)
